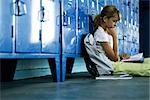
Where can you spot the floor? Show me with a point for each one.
(80, 86)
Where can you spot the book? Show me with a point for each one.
(135, 58)
(114, 77)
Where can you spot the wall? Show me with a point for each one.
(144, 27)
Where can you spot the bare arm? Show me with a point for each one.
(112, 53)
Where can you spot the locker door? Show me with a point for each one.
(5, 26)
(69, 26)
(109, 2)
(50, 15)
(93, 8)
(102, 3)
(27, 26)
(83, 23)
(120, 47)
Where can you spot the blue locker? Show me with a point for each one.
(50, 27)
(69, 39)
(83, 23)
(130, 33)
(135, 48)
(125, 46)
(93, 8)
(120, 42)
(129, 47)
(30, 29)
(27, 26)
(119, 30)
(124, 28)
(116, 3)
(101, 3)
(6, 32)
(125, 14)
(135, 37)
(130, 11)
(75, 26)
(109, 2)
(137, 13)
(69, 36)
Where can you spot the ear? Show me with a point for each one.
(105, 19)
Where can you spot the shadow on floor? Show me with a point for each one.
(79, 86)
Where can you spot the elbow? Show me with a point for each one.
(115, 59)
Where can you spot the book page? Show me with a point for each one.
(136, 57)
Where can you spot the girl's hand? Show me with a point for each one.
(124, 56)
(112, 31)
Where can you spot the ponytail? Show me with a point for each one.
(97, 21)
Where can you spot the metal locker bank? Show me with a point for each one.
(44, 39)
(29, 29)
(75, 25)
(77, 22)
(55, 29)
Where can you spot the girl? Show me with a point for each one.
(102, 46)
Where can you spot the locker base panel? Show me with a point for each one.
(26, 55)
(8, 66)
(67, 64)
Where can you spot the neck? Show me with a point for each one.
(103, 25)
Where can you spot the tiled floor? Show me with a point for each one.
(79, 87)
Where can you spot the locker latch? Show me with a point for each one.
(19, 8)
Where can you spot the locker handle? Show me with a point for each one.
(40, 35)
(12, 35)
(79, 27)
(42, 14)
(58, 20)
(64, 19)
(80, 23)
(19, 8)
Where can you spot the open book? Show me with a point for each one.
(135, 58)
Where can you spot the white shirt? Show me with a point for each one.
(98, 56)
(102, 36)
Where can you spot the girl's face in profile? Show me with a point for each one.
(112, 21)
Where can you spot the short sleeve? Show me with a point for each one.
(101, 36)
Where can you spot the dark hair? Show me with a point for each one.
(108, 11)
